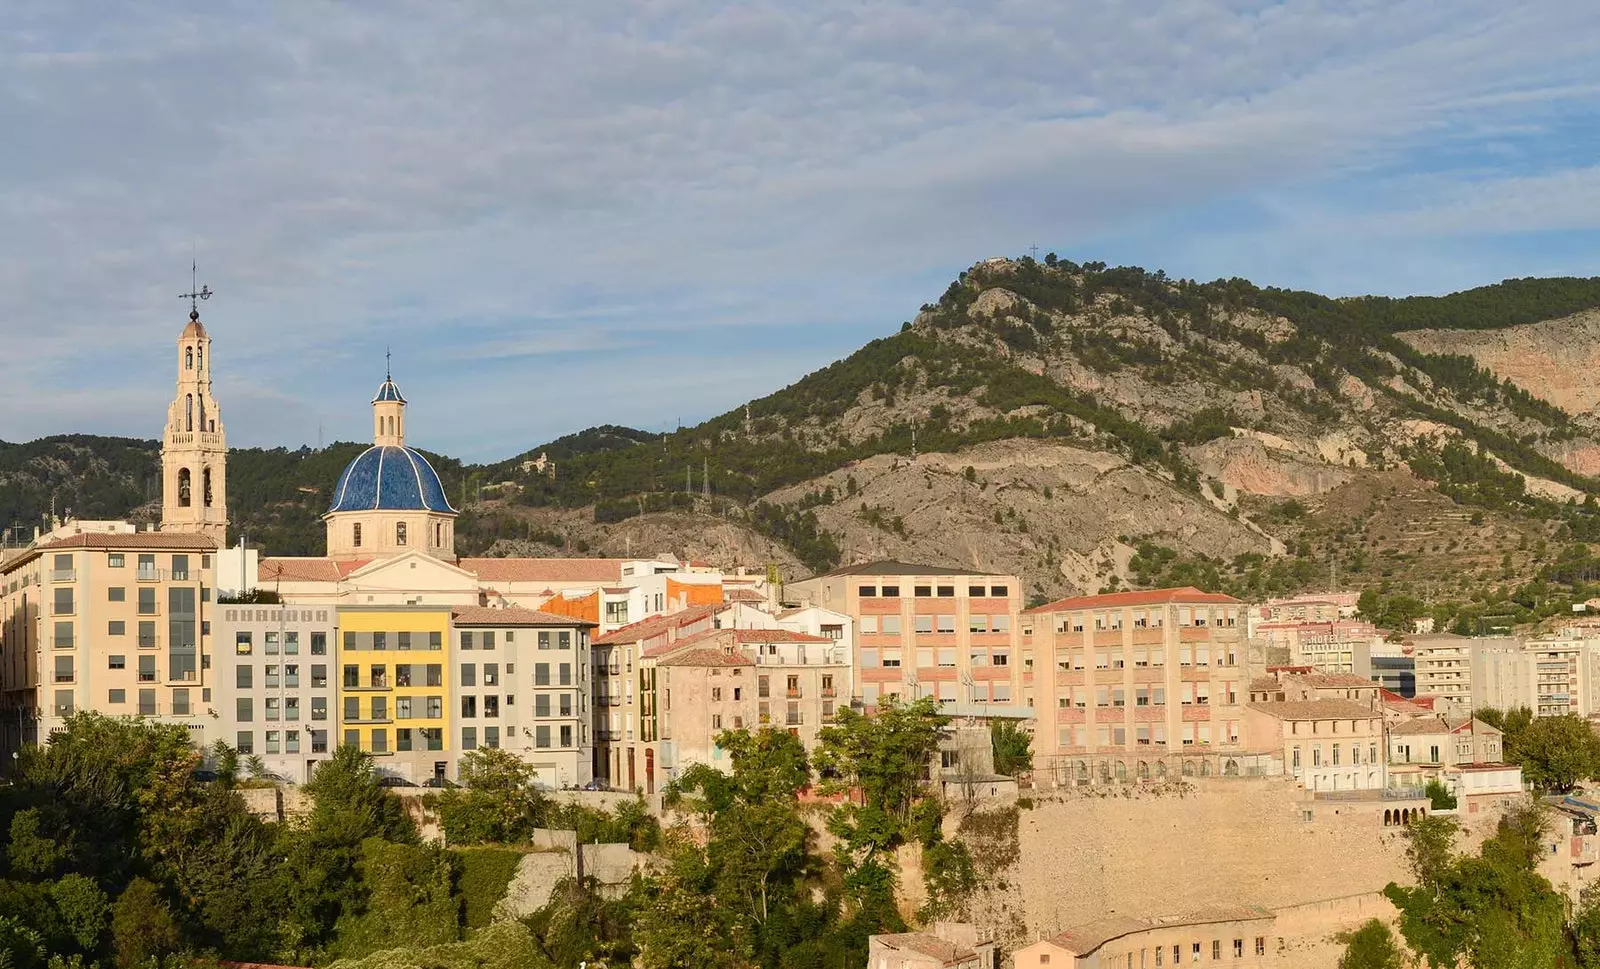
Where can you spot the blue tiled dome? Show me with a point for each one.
(388, 391)
(390, 478)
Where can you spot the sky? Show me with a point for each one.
(558, 215)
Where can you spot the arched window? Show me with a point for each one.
(188, 358)
(183, 487)
(188, 412)
(200, 358)
(205, 487)
(1122, 772)
(399, 533)
(358, 535)
(438, 535)
(1144, 771)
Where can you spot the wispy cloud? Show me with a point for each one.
(531, 200)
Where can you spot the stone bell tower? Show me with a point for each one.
(194, 451)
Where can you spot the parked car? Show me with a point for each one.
(439, 782)
(394, 780)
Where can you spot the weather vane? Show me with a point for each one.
(196, 293)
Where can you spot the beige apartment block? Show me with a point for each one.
(1130, 686)
(1245, 937)
(788, 680)
(1551, 677)
(527, 674)
(1327, 745)
(928, 631)
(112, 621)
(624, 751)
(1444, 665)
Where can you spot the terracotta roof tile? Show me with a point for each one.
(706, 656)
(1316, 710)
(1154, 597)
(159, 540)
(306, 569)
(607, 571)
(1328, 681)
(928, 944)
(734, 637)
(655, 625)
(512, 616)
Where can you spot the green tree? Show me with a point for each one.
(226, 760)
(1556, 753)
(1372, 946)
(1512, 724)
(682, 927)
(1439, 796)
(1011, 747)
(20, 946)
(499, 803)
(1586, 928)
(32, 852)
(142, 926)
(84, 908)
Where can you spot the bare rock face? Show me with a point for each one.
(1554, 360)
(1249, 465)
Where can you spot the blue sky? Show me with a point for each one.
(565, 214)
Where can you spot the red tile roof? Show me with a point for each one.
(707, 656)
(160, 540)
(306, 569)
(927, 944)
(512, 616)
(1317, 710)
(735, 637)
(742, 595)
(545, 570)
(1186, 595)
(655, 625)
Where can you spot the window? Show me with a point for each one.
(352, 676)
(541, 674)
(400, 533)
(243, 677)
(402, 641)
(466, 640)
(891, 592)
(116, 593)
(469, 738)
(1216, 948)
(380, 640)
(541, 736)
(243, 712)
(272, 708)
(435, 641)
(114, 561)
(319, 741)
(63, 636)
(117, 696)
(922, 624)
(488, 639)
(116, 627)
(319, 644)
(319, 675)
(180, 702)
(402, 739)
(469, 707)
(244, 742)
(435, 675)
(947, 624)
(566, 736)
(541, 705)
(469, 674)
(435, 709)
(1238, 948)
(356, 534)
(491, 706)
(319, 708)
(242, 645)
(867, 591)
(147, 602)
(272, 741)
(491, 736)
(999, 591)
(1261, 945)
(922, 591)
(147, 669)
(117, 662)
(291, 741)
(491, 674)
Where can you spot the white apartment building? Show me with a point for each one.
(276, 690)
(523, 684)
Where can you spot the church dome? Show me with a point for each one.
(390, 478)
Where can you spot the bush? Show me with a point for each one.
(485, 875)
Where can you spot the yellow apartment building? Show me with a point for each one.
(395, 688)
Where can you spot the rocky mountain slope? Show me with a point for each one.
(1084, 426)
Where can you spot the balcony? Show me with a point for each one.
(148, 574)
(65, 678)
(794, 719)
(828, 693)
(793, 693)
(63, 575)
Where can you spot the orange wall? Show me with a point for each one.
(695, 594)
(587, 607)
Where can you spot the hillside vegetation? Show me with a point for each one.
(1072, 423)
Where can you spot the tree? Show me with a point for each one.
(1512, 724)
(1371, 947)
(681, 927)
(84, 908)
(1439, 796)
(1556, 753)
(1586, 928)
(142, 926)
(1012, 753)
(227, 761)
(499, 803)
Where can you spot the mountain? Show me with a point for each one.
(1087, 427)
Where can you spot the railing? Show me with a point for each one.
(66, 678)
(828, 693)
(793, 692)
(63, 575)
(794, 719)
(148, 574)
(67, 643)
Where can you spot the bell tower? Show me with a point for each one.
(194, 450)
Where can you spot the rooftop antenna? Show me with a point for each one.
(196, 292)
(388, 374)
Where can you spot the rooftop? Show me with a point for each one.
(1085, 939)
(113, 540)
(891, 567)
(652, 626)
(736, 637)
(707, 656)
(1435, 724)
(1316, 710)
(928, 944)
(306, 569)
(606, 571)
(1335, 681)
(1187, 595)
(512, 616)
